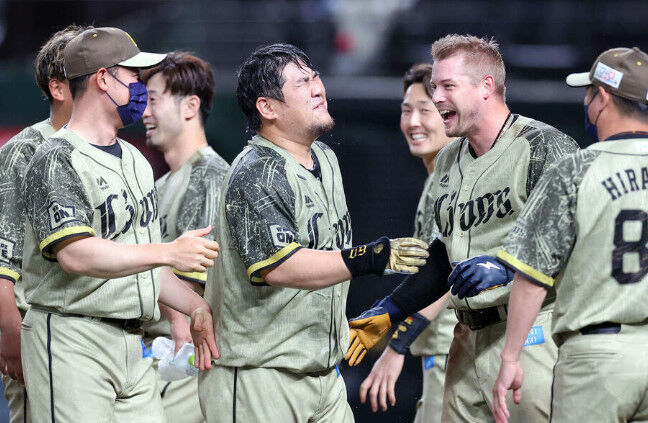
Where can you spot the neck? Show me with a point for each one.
(58, 116)
(620, 124)
(300, 149)
(186, 145)
(93, 124)
(483, 136)
(428, 162)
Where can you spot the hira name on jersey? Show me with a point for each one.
(474, 212)
(629, 180)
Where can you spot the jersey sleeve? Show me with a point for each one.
(199, 209)
(260, 212)
(544, 234)
(548, 145)
(14, 158)
(55, 198)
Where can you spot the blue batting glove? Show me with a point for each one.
(480, 273)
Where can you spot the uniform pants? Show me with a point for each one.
(602, 378)
(79, 369)
(473, 366)
(428, 408)
(180, 400)
(264, 395)
(17, 399)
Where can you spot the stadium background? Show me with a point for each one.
(362, 48)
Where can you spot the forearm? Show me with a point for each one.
(9, 312)
(101, 258)
(177, 296)
(432, 311)
(524, 304)
(309, 269)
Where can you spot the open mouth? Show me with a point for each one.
(149, 128)
(418, 138)
(447, 116)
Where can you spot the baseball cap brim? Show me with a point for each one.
(579, 79)
(143, 60)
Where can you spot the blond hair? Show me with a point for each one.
(481, 56)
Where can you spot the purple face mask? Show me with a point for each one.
(132, 111)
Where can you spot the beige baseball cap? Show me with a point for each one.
(622, 71)
(98, 48)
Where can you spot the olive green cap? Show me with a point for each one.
(622, 71)
(98, 48)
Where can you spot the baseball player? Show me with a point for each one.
(92, 249)
(279, 290)
(181, 90)
(481, 182)
(14, 157)
(584, 232)
(423, 129)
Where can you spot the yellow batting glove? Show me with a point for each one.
(365, 331)
(406, 255)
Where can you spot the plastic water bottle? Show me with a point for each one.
(173, 366)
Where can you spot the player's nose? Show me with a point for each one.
(147, 111)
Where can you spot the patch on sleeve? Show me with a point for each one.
(535, 336)
(60, 214)
(6, 249)
(608, 75)
(281, 236)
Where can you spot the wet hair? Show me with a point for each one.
(261, 75)
(634, 109)
(419, 74)
(184, 75)
(49, 60)
(482, 57)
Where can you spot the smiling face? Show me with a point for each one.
(304, 109)
(162, 117)
(421, 123)
(456, 95)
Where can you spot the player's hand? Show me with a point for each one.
(510, 377)
(480, 273)
(202, 332)
(381, 381)
(406, 255)
(10, 363)
(192, 253)
(365, 331)
(180, 332)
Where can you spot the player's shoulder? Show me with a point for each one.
(258, 164)
(572, 168)
(542, 135)
(449, 153)
(208, 162)
(26, 140)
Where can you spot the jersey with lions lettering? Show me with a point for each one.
(14, 157)
(585, 228)
(437, 337)
(188, 200)
(271, 207)
(73, 189)
(477, 199)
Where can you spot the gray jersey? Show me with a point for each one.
(271, 207)
(73, 189)
(437, 337)
(586, 228)
(14, 157)
(188, 200)
(477, 199)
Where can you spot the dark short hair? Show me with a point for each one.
(49, 60)
(631, 108)
(185, 74)
(79, 84)
(261, 75)
(419, 74)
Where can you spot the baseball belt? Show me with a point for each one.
(479, 319)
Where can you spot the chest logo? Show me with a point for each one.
(309, 202)
(59, 214)
(445, 180)
(102, 183)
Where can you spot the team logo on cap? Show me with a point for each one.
(607, 75)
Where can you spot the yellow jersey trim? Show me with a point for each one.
(9, 274)
(525, 268)
(278, 256)
(64, 233)
(192, 276)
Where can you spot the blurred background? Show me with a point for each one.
(362, 48)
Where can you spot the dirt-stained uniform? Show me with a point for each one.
(188, 199)
(476, 202)
(279, 346)
(584, 232)
(82, 358)
(14, 157)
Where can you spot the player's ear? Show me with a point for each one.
(266, 108)
(190, 107)
(606, 97)
(487, 86)
(101, 78)
(57, 89)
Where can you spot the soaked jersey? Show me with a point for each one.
(188, 199)
(14, 157)
(478, 199)
(437, 337)
(73, 189)
(585, 231)
(271, 207)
